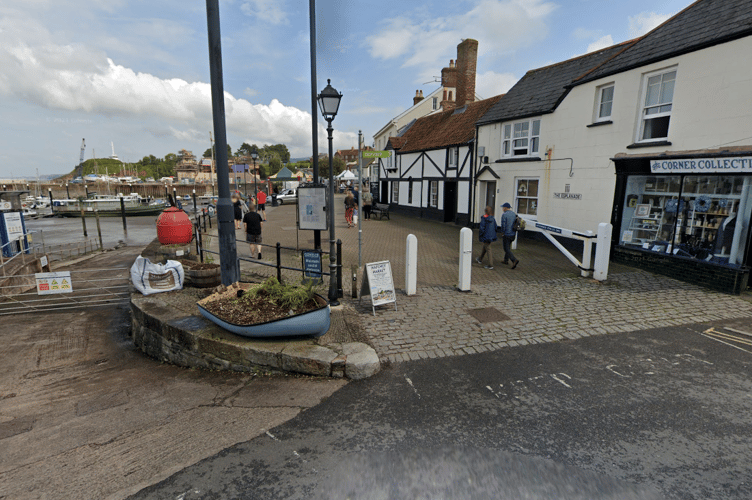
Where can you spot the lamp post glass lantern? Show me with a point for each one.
(329, 100)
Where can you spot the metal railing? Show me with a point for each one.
(280, 262)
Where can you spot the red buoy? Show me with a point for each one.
(174, 227)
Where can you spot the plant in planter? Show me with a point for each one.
(201, 275)
(269, 309)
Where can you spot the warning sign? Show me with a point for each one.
(49, 283)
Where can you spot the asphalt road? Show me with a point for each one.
(655, 414)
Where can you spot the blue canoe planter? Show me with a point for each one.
(313, 323)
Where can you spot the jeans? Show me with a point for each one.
(508, 255)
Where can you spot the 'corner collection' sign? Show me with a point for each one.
(703, 165)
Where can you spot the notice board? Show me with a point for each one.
(312, 208)
(312, 265)
(379, 284)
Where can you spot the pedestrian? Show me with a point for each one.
(238, 209)
(508, 233)
(349, 208)
(356, 195)
(261, 199)
(487, 235)
(367, 201)
(252, 223)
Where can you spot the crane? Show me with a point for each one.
(81, 159)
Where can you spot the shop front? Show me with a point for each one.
(686, 215)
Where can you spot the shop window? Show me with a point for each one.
(433, 200)
(527, 197)
(604, 102)
(657, 105)
(699, 217)
(395, 192)
(521, 139)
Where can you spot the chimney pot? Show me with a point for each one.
(418, 97)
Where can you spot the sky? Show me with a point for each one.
(135, 74)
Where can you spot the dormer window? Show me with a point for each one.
(521, 138)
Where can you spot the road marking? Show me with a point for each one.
(553, 375)
(271, 436)
(741, 332)
(611, 369)
(411, 385)
(722, 342)
(728, 336)
(492, 391)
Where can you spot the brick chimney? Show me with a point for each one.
(449, 75)
(418, 97)
(467, 60)
(446, 101)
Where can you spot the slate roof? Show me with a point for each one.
(448, 128)
(703, 24)
(541, 90)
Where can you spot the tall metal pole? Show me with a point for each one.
(228, 252)
(255, 181)
(333, 294)
(360, 199)
(211, 143)
(314, 111)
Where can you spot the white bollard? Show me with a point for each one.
(411, 265)
(466, 258)
(602, 251)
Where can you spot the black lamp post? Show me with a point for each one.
(245, 180)
(254, 155)
(67, 191)
(329, 100)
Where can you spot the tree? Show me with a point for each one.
(275, 165)
(208, 153)
(338, 163)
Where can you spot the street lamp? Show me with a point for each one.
(245, 180)
(67, 191)
(254, 155)
(329, 103)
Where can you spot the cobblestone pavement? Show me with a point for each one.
(544, 299)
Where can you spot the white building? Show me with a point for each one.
(653, 135)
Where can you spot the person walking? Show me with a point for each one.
(252, 223)
(508, 234)
(261, 199)
(237, 209)
(487, 235)
(349, 209)
(367, 201)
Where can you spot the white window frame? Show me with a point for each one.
(435, 103)
(454, 154)
(600, 116)
(518, 195)
(433, 197)
(658, 108)
(516, 134)
(395, 192)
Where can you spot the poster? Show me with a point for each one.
(312, 208)
(378, 279)
(51, 283)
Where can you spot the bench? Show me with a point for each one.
(380, 209)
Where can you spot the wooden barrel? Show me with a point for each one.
(203, 278)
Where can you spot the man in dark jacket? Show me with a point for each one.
(487, 235)
(508, 233)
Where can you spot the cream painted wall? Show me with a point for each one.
(423, 108)
(712, 106)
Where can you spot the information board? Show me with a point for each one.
(378, 283)
(13, 225)
(312, 208)
(312, 264)
(51, 283)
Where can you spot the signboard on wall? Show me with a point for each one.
(702, 165)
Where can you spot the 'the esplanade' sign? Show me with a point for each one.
(704, 165)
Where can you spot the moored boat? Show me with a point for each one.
(106, 206)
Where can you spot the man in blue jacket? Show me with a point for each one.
(508, 233)
(487, 235)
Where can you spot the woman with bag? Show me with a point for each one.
(349, 208)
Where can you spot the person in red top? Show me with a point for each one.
(261, 200)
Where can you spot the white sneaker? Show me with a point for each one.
(479, 261)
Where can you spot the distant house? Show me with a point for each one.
(652, 135)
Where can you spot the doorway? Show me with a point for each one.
(490, 196)
(450, 201)
(384, 197)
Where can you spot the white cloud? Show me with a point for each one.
(601, 43)
(491, 84)
(500, 26)
(250, 92)
(645, 22)
(267, 11)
